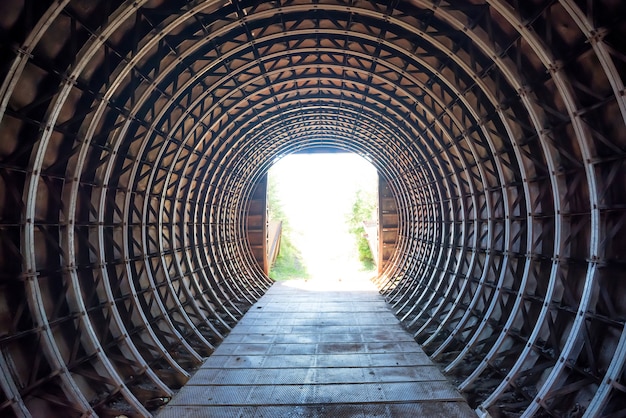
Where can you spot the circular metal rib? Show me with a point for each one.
(132, 135)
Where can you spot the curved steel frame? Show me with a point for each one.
(132, 133)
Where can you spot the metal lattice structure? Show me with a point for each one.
(132, 134)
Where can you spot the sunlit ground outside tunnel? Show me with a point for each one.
(316, 195)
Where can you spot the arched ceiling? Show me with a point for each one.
(132, 134)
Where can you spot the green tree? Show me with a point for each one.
(288, 264)
(363, 210)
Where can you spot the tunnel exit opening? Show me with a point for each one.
(328, 204)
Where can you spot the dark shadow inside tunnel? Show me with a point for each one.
(135, 135)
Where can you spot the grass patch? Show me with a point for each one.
(288, 263)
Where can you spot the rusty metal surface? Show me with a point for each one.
(316, 357)
(132, 134)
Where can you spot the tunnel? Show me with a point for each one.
(133, 133)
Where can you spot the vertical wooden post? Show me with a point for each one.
(387, 223)
(257, 223)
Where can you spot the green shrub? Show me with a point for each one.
(363, 209)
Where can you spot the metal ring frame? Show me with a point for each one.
(132, 134)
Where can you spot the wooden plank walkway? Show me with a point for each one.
(302, 351)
